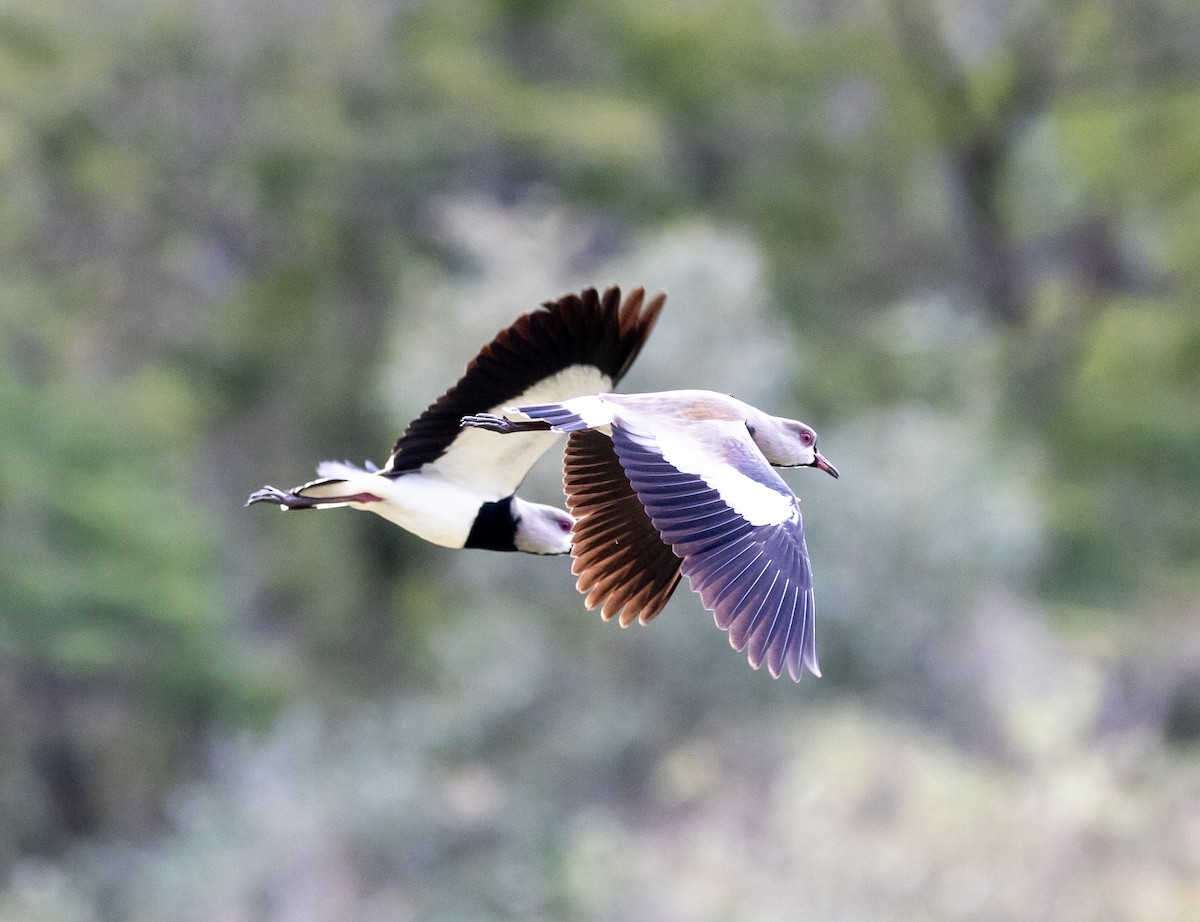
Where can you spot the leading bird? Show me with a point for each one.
(457, 487)
(683, 482)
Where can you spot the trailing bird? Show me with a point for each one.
(457, 487)
(683, 483)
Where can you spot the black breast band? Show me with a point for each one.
(494, 528)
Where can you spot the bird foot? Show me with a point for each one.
(493, 423)
(269, 494)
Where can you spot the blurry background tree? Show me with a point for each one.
(958, 238)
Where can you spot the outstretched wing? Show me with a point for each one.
(622, 564)
(580, 344)
(714, 498)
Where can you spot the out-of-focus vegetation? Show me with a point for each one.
(957, 238)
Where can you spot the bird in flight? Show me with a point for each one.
(683, 483)
(457, 487)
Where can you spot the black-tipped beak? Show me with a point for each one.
(821, 464)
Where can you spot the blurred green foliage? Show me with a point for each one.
(223, 225)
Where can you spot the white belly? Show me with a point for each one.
(427, 505)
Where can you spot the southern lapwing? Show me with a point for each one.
(456, 487)
(682, 482)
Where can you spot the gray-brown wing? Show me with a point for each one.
(622, 564)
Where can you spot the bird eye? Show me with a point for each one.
(807, 437)
(564, 525)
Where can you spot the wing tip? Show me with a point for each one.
(577, 328)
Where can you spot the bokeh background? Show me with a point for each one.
(959, 237)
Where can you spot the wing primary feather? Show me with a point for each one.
(725, 614)
(721, 588)
(758, 641)
(576, 329)
(724, 573)
(778, 653)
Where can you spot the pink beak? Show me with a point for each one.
(823, 465)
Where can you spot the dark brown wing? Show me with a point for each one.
(584, 329)
(622, 563)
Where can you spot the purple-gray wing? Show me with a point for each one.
(754, 578)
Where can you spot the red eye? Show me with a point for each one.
(807, 437)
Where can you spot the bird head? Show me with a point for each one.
(805, 448)
(541, 529)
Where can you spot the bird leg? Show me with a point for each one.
(288, 500)
(494, 423)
